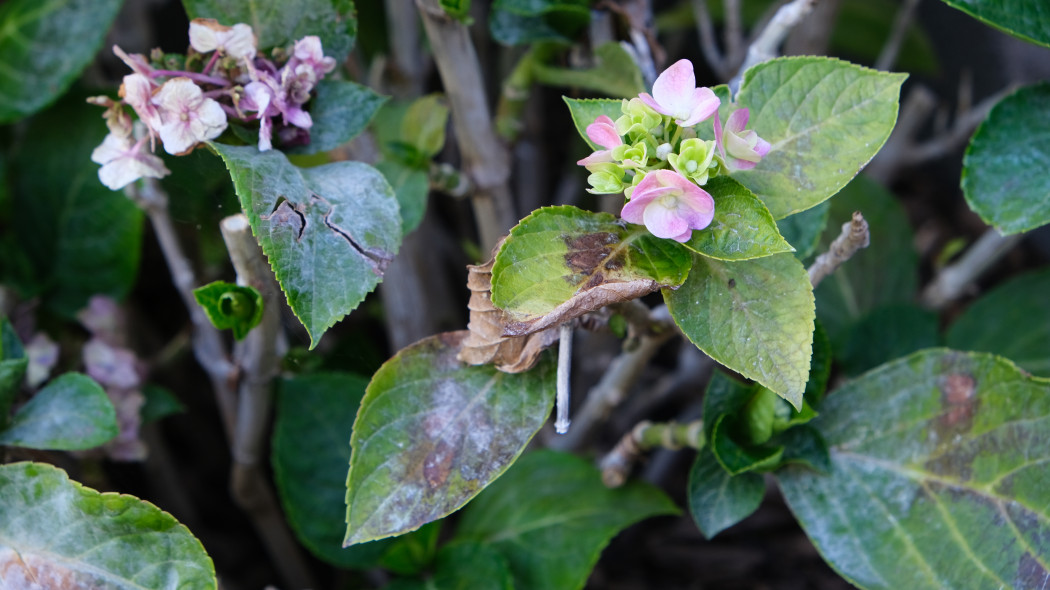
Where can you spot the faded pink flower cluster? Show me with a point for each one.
(653, 155)
(183, 108)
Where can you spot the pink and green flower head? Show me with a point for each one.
(605, 178)
(740, 149)
(632, 156)
(669, 205)
(675, 94)
(187, 116)
(638, 119)
(694, 160)
(603, 133)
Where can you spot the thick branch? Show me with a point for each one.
(953, 280)
(854, 236)
(766, 46)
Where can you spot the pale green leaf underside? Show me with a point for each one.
(825, 119)
(433, 432)
(59, 534)
(70, 413)
(1002, 176)
(939, 476)
(753, 316)
(329, 231)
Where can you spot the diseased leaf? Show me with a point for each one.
(43, 48)
(1024, 19)
(1012, 142)
(825, 119)
(329, 231)
(56, 533)
(314, 417)
(742, 228)
(1010, 320)
(938, 476)
(70, 413)
(278, 23)
(550, 516)
(340, 111)
(432, 433)
(561, 262)
(231, 307)
(718, 500)
(753, 316)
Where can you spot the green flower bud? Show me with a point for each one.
(639, 119)
(632, 156)
(606, 178)
(694, 160)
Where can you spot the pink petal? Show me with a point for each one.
(599, 157)
(651, 102)
(762, 147)
(674, 87)
(737, 121)
(696, 208)
(705, 104)
(719, 136)
(739, 147)
(684, 237)
(634, 211)
(664, 222)
(603, 132)
(738, 164)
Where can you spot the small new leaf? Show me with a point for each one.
(231, 307)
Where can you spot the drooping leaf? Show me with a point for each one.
(550, 516)
(886, 333)
(411, 188)
(825, 119)
(43, 48)
(938, 476)
(57, 533)
(615, 73)
(1010, 320)
(753, 316)
(884, 273)
(231, 307)
(803, 230)
(70, 413)
(1012, 142)
(432, 433)
(561, 262)
(329, 231)
(1025, 19)
(314, 417)
(278, 23)
(340, 111)
(80, 238)
(742, 228)
(718, 500)
(516, 22)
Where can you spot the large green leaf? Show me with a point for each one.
(561, 262)
(938, 476)
(329, 231)
(1013, 142)
(885, 272)
(70, 413)
(340, 111)
(1026, 19)
(551, 516)
(464, 565)
(753, 316)
(718, 500)
(279, 22)
(1010, 320)
(742, 227)
(433, 432)
(80, 237)
(44, 45)
(825, 119)
(56, 533)
(315, 414)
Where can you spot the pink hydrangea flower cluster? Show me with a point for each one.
(653, 155)
(183, 108)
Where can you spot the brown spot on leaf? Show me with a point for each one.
(615, 263)
(732, 283)
(959, 398)
(32, 572)
(1031, 573)
(588, 251)
(438, 463)
(593, 282)
(287, 215)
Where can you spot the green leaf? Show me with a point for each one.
(615, 73)
(59, 534)
(329, 231)
(803, 445)
(1010, 320)
(585, 111)
(463, 565)
(313, 421)
(80, 238)
(742, 228)
(433, 432)
(71, 413)
(887, 333)
(561, 262)
(938, 476)
(516, 22)
(729, 426)
(803, 230)
(1024, 19)
(753, 316)
(340, 111)
(411, 188)
(231, 307)
(1012, 142)
(883, 273)
(160, 403)
(43, 48)
(424, 124)
(819, 366)
(279, 23)
(412, 553)
(13, 364)
(718, 500)
(551, 516)
(825, 119)
(737, 457)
